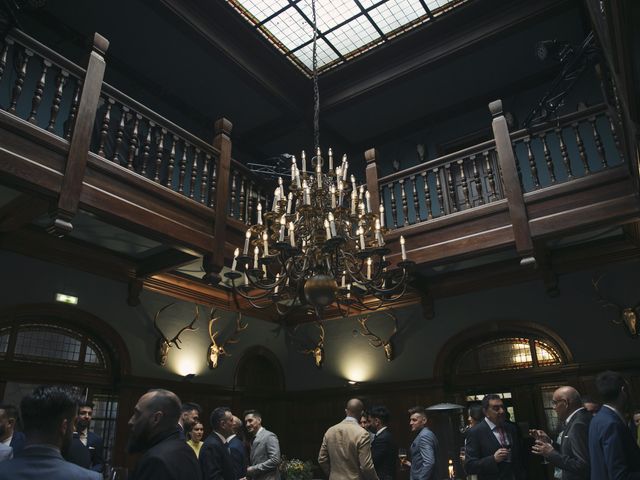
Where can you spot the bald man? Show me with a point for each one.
(154, 432)
(570, 454)
(237, 450)
(345, 453)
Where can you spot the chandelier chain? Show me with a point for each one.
(316, 91)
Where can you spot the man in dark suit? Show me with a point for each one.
(570, 455)
(90, 440)
(8, 433)
(237, 450)
(493, 450)
(215, 459)
(384, 450)
(424, 449)
(614, 454)
(154, 432)
(48, 414)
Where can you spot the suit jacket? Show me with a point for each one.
(482, 444)
(572, 456)
(168, 459)
(6, 452)
(238, 457)
(18, 441)
(345, 453)
(424, 452)
(43, 461)
(77, 453)
(215, 459)
(384, 453)
(265, 456)
(614, 454)
(96, 447)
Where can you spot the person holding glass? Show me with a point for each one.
(570, 454)
(493, 450)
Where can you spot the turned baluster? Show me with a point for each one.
(241, 212)
(427, 195)
(133, 142)
(159, 155)
(416, 202)
(74, 110)
(565, 155)
(214, 179)
(37, 94)
(439, 193)
(61, 81)
(405, 205)
(21, 74)
(250, 192)
(465, 187)
(182, 167)
(451, 188)
(4, 53)
(120, 134)
(394, 209)
(614, 135)
(104, 129)
(532, 163)
(194, 173)
(476, 179)
(204, 179)
(598, 142)
(491, 181)
(232, 207)
(581, 151)
(547, 158)
(146, 149)
(517, 160)
(172, 161)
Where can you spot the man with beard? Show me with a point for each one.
(189, 416)
(493, 450)
(384, 450)
(154, 432)
(264, 457)
(424, 448)
(86, 447)
(48, 414)
(215, 459)
(8, 434)
(614, 454)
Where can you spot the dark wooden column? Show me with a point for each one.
(372, 156)
(213, 262)
(69, 197)
(513, 192)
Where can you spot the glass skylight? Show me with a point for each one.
(346, 28)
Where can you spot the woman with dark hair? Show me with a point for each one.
(475, 415)
(195, 438)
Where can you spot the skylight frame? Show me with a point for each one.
(296, 14)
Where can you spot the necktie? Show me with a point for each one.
(502, 436)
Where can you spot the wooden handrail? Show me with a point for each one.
(474, 149)
(45, 52)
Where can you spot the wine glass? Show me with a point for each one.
(540, 438)
(402, 455)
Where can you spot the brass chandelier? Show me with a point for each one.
(320, 243)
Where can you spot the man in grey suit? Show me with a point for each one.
(570, 455)
(424, 449)
(264, 458)
(48, 414)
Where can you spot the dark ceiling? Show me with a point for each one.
(194, 61)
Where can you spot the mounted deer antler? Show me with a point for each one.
(216, 351)
(375, 340)
(164, 344)
(628, 316)
(318, 350)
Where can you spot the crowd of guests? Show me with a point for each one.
(595, 441)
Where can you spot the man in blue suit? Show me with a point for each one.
(8, 433)
(424, 449)
(48, 415)
(215, 459)
(614, 454)
(237, 450)
(90, 440)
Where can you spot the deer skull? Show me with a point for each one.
(164, 344)
(217, 351)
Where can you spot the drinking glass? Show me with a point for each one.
(402, 455)
(542, 439)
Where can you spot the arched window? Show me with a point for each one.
(508, 353)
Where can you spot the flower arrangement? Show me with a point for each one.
(295, 469)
